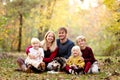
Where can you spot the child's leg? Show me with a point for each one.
(95, 68)
(68, 69)
(87, 67)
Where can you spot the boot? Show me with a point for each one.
(41, 66)
(28, 70)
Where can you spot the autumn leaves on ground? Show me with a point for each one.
(109, 70)
(97, 20)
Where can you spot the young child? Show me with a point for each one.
(75, 62)
(91, 64)
(35, 56)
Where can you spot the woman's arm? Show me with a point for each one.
(52, 56)
(27, 49)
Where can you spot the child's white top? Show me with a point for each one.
(35, 52)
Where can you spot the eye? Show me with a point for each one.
(55, 61)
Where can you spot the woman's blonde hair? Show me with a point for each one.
(76, 48)
(35, 40)
(80, 37)
(54, 44)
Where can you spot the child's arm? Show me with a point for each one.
(81, 63)
(91, 58)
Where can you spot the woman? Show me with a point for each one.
(49, 46)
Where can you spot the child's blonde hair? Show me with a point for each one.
(76, 48)
(35, 40)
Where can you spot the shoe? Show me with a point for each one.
(28, 70)
(71, 71)
(41, 66)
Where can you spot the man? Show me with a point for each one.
(64, 44)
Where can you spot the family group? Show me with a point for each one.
(78, 56)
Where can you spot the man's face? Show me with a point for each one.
(61, 34)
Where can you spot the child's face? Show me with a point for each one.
(36, 45)
(81, 42)
(50, 37)
(75, 52)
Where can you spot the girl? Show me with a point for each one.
(75, 62)
(35, 55)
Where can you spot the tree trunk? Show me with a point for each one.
(20, 32)
(50, 8)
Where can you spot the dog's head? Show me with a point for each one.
(57, 64)
(54, 65)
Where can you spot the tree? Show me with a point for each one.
(18, 9)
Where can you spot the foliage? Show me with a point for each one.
(12, 11)
(112, 30)
(109, 70)
(100, 25)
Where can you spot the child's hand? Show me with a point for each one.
(38, 54)
(32, 57)
(74, 66)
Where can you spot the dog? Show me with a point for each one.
(57, 64)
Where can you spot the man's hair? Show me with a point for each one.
(62, 28)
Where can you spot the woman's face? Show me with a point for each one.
(62, 34)
(50, 37)
(81, 42)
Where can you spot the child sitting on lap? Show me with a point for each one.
(35, 56)
(75, 62)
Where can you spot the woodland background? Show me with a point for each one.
(97, 20)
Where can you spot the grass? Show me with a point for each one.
(109, 66)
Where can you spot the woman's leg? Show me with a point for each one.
(21, 64)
